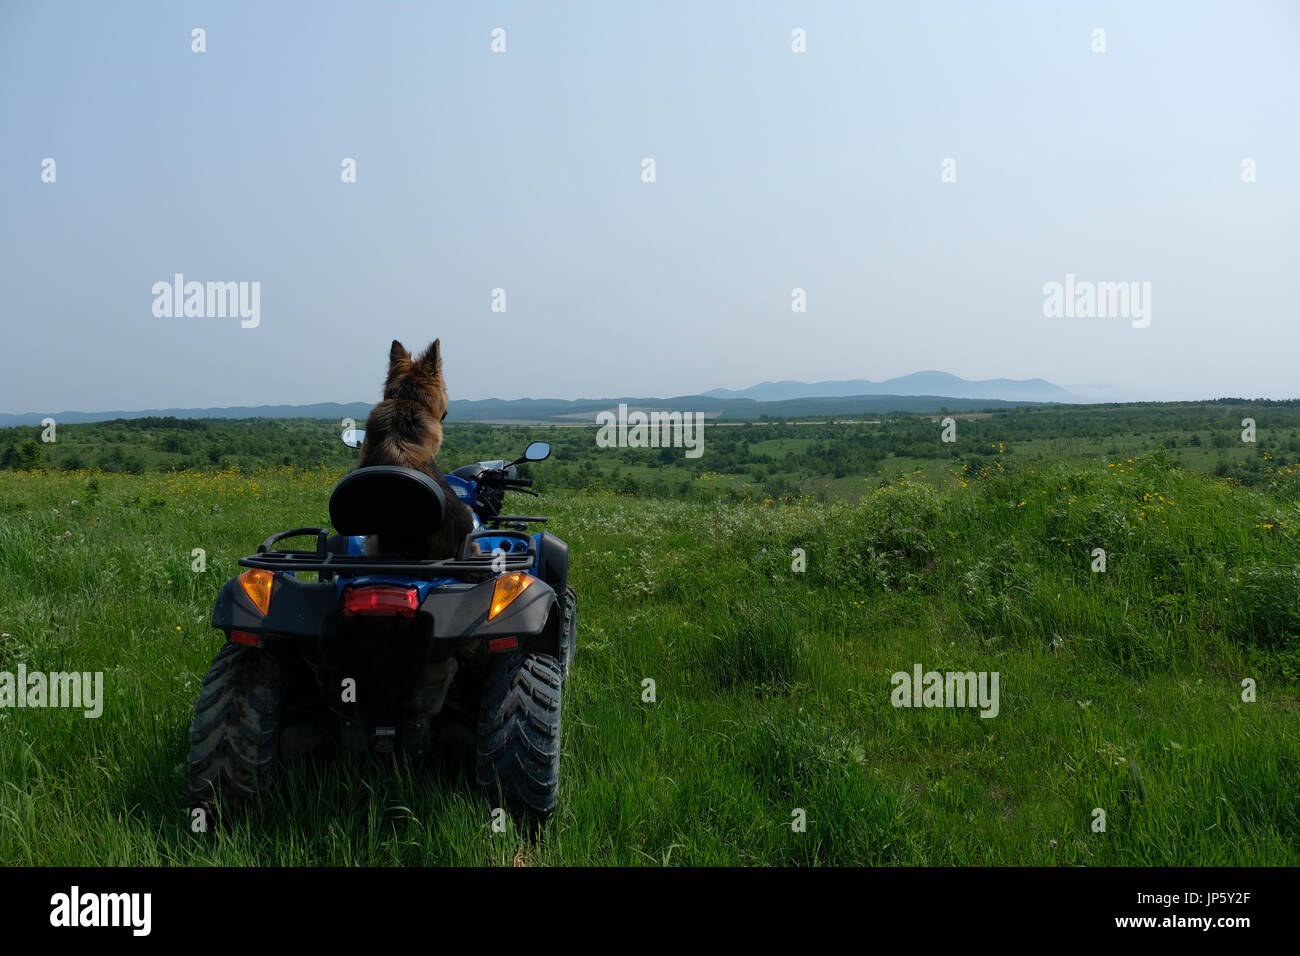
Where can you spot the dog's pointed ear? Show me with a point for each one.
(432, 356)
(397, 352)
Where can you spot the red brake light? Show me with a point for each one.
(380, 599)
(243, 637)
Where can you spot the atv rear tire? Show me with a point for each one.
(234, 740)
(568, 630)
(518, 753)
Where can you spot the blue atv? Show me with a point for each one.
(383, 651)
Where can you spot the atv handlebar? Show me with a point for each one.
(519, 484)
(493, 483)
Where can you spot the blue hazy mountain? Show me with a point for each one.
(918, 383)
(563, 411)
(920, 392)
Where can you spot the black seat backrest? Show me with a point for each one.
(387, 499)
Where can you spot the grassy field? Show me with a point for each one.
(1120, 691)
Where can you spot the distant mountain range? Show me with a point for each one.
(918, 383)
(921, 392)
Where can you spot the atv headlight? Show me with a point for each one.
(507, 588)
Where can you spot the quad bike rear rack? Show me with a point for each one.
(348, 565)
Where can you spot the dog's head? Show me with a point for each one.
(417, 380)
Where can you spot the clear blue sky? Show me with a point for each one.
(522, 171)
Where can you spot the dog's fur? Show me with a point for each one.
(406, 429)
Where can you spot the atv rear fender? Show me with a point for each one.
(305, 610)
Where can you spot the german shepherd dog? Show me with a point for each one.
(406, 429)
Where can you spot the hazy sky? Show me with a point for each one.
(523, 171)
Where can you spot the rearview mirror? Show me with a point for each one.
(537, 451)
(353, 437)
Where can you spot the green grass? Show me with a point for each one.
(773, 687)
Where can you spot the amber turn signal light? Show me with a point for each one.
(507, 588)
(257, 585)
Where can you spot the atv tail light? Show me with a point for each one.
(499, 644)
(243, 637)
(257, 585)
(507, 588)
(381, 599)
